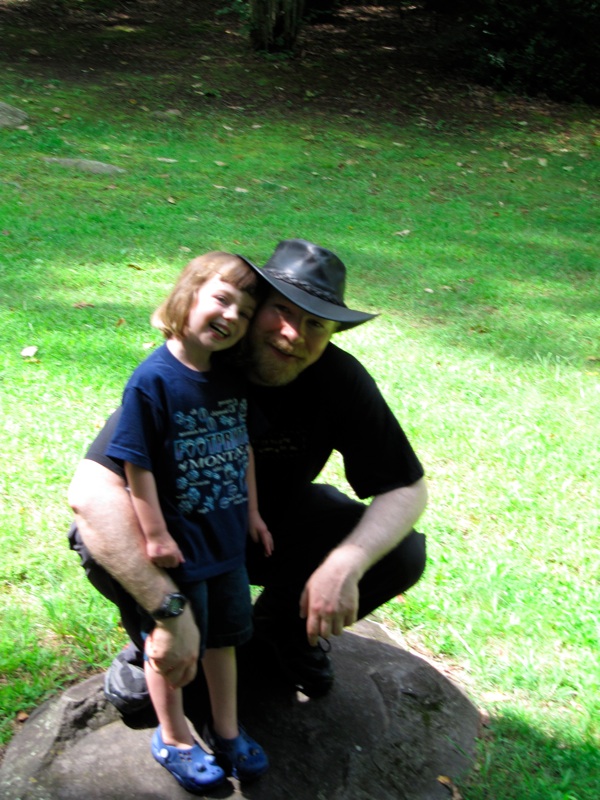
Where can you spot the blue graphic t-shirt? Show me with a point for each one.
(190, 430)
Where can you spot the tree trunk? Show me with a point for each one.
(275, 24)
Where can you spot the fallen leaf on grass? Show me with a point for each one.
(119, 322)
(171, 200)
(22, 716)
(402, 233)
(239, 189)
(29, 352)
(167, 160)
(83, 304)
(445, 781)
(135, 266)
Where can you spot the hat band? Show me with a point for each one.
(306, 287)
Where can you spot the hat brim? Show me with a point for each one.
(346, 317)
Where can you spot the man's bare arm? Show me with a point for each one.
(330, 598)
(110, 530)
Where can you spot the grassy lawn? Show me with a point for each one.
(468, 219)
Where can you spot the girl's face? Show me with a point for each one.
(219, 316)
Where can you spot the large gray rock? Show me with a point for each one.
(11, 117)
(391, 725)
(86, 165)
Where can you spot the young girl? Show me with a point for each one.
(184, 441)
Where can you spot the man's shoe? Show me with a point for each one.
(308, 668)
(125, 683)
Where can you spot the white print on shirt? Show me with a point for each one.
(211, 453)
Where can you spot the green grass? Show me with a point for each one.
(488, 349)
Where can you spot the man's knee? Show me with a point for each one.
(394, 574)
(97, 576)
(411, 556)
(104, 583)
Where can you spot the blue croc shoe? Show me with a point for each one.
(194, 769)
(241, 757)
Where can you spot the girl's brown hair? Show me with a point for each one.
(172, 315)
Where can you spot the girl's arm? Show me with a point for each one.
(161, 548)
(258, 529)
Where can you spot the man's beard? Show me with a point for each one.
(264, 368)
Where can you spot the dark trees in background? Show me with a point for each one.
(275, 24)
(549, 47)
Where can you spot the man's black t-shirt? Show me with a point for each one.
(332, 405)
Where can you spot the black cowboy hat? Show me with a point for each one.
(314, 279)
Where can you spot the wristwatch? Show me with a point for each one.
(172, 606)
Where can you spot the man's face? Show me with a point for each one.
(284, 340)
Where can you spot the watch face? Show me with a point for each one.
(172, 606)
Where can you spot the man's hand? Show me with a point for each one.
(173, 648)
(329, 601)
(330, 597)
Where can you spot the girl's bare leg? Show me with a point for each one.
(220, 669)
(168, 704)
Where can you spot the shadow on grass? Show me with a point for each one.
(369, 56)
(518, 762)
(518, 315)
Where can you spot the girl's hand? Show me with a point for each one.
(260, 533)
(164, 552)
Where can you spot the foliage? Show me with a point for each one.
(546, 46)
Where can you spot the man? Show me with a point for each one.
(335, 559)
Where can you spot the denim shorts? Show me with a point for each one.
(222, 609)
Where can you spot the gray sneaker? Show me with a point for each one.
(125, 685)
